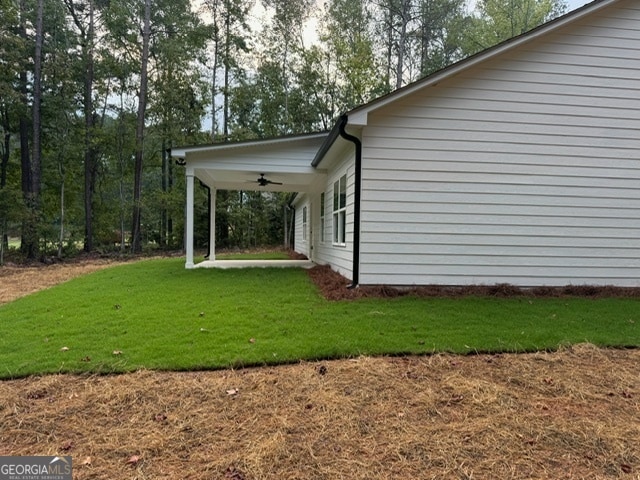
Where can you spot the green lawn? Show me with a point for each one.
(161, 316)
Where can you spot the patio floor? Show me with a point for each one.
(225, 264)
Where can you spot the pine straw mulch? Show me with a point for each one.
(569, 414)
(332, 285)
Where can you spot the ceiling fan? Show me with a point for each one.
(263, 182)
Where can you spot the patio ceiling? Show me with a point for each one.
(237, 166)
(247, 180)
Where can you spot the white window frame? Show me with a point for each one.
(340, 211)
(322, 223)
(304, 223)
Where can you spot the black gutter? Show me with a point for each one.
(356, 208)
(333, 134)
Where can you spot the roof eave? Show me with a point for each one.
(181, 152)
(334, 133)
(358, 117)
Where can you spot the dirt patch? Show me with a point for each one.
(571, 414)
(20, 280)
(334, 286)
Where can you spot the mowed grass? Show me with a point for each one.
(154, 314)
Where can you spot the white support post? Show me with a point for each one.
(212, 233)
(188, 227)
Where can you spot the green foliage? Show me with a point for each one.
(349, 39)
(249, 219)
(500, 20)
(12, 54)
(288, 19)
(253, 82)
(229, 43)
(11, 204)
(272, 102)
(441, 27)
(161, 316)
(11, 212)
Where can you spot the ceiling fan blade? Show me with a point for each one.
(263, 182)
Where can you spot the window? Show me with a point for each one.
(340, 211)
(322, 196)
(304, 224)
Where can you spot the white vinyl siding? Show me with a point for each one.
(524, 169)
(300, 244)
(340, 257)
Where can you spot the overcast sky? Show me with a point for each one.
(573, 4)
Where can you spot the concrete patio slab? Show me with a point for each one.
(226, 264)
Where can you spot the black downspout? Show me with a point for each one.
(356, 209)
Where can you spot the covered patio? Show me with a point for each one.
(278, 165)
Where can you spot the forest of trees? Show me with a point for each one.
(93, 94)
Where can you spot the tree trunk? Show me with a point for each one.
(4, 240)
(222, 218)
(25, 157)
(36, 167)
(136, 237)
(89, 123)
(6, 145)
(36, 160)
(214, 75)
(402, 41)
(227, 63)
(170, 189)
(389, 45)
(23, 131)
(33, 197)
(61, 236)
(214, 87)
(165, 189)
(122, 167)
(425, 37)
(31, 165)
